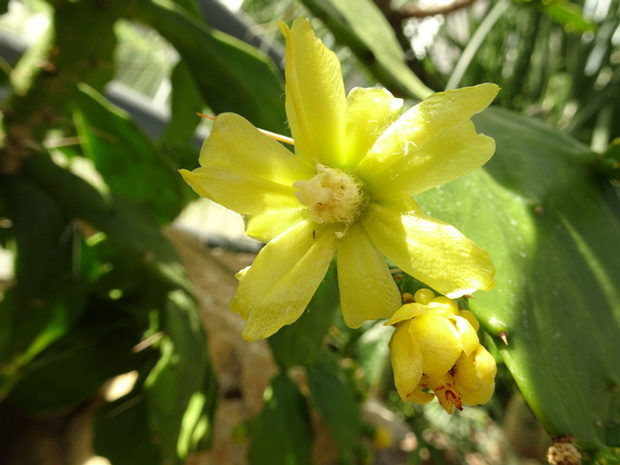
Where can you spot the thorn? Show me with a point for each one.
(503, 335)
(273, 135)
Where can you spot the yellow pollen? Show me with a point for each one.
(332, 196)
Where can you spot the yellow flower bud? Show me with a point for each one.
(435, 347)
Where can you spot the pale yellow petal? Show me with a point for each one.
(430, 250)
(478, 397)
(367, 288)
(369, 112)
(475, 376)
(268, 226)
(478, 367)
(315, 97)
(276, 289)
(431, 144)
(406, 361)
(438, 342)
(420, 397)
(407, 312)
(246, 171)
(469, 316)
(239, 192)
(467, 334)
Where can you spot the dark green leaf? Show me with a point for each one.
(334, 399)
(608, 456)
(551, 226)
(44, 238)
(283, 433)
(122, 432)
(231, 75)
(129, 164)
(4, 6)
(180, 390)
(610, 161)
(119, 218)
(301, 342)
(185, 102)
(75, 367)
(373, 353)
(50, 290)
(177, 141)
(366, 31)
(568, 15)
(191, 6)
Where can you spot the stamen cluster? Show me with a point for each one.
(332, 196)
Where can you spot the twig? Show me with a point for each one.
(414, 11)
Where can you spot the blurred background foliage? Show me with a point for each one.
(115, 341)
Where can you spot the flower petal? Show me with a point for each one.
(468, 337)
(407, 312)
(367, 288)
(469, 316)
(276, 289)
(369, 112)
(269, 225)
(246, 171)
(315, 98)
(430, 250)
(475, 376)
(438, 341)
(406, 361)
(420, 397)
(433, 143)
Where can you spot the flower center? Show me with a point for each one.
(332, 196)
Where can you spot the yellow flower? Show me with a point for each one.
(347, 189)
(435, 347)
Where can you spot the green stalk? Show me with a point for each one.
(475, 42)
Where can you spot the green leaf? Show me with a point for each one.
(610, 161)
(122, 434)
(301, 342)
(129, 164)
(373, 353)
(551, 225)
(4, 6)
(231, 75)
(283, 432)
(180, 387)
(43, 235)
(608, 456)
(50, 290)
(185, 102)
(75, 367)
(190, 6)
(334, 399)
(176, 142)
(180, 391)
(366, 31)
(568, 15)
(119, 218)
